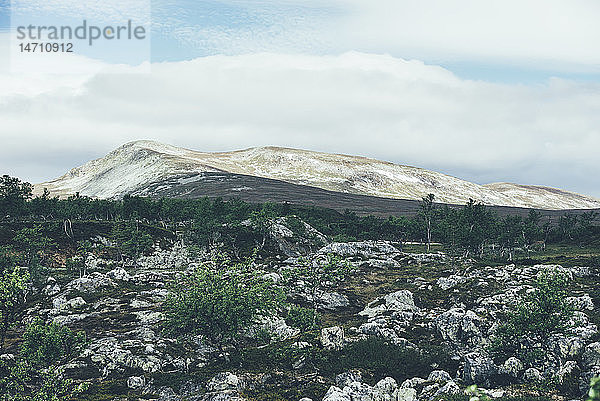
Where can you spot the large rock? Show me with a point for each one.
(479, 369)
(119, 274)
(333, 337)
(344, 379)
(568, 377)
(332, 301)
(399, 301)
(91, 283)
(276, 326)
(446, 283)
(533, 375)
(385, 390)
(459, 326)
(363, 250)
(591, 355)
(512, 367)
(295, 237)
(136, 382)
(439, 376)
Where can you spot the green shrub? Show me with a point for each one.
(13, 284)
(132, 241)
(594, 393)
(540, 314)
(218, 300)
(296, 225)
(381, 358)
(23, 382)
(303, 318)
(48, 344)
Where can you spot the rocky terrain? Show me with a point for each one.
(429, 304)
(154, 169)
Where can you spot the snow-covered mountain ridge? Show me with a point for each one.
(131, 169)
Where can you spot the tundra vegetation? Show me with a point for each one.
(207, 299)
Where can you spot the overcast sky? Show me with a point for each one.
(484, 90)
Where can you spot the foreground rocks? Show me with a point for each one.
(413, 301)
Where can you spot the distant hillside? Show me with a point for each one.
(151, 168)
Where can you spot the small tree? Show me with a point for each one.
(594, 393)
(540, 314)
(47, 344)
(426, 214)
(13, 284)
(13, 195)
(34, 376)
(318, 275)
(218, 300)
(262, 220)
(131, 240)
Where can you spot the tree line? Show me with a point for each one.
(473, 229)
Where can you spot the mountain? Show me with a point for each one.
(155, 169)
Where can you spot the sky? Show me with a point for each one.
(484, 90)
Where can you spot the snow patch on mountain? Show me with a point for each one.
(132, 167)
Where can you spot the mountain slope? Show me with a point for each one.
(138, 166)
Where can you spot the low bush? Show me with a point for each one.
(381, 358)
(540, 314)
(303, 318)
(47, 344)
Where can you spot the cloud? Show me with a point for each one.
(372, 105)
(549, 34)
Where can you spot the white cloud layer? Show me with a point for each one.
(377, 106)
(546, 34)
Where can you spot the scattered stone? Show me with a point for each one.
(439, 376)
(364, 249)
(119, 274)
(533, 375)
(478, 369)
(136, 382)
(399, 301)
(591, 355)
(224, 381)
(344, 379)
(446, 283)
(333, 337)
(512, 367)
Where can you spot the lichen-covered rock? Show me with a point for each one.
(385, 390)
(333, 337)
(91, 283)
(406, 394)
(567, 377)
(446, 283)
(399, 301)
(275, 326)
(512, 367)
(344, 379)
(459, 326)
(52, 288)
(336, 394)
(450, 388)
(136, 382)
(119, 274)
(224, 381)
(533, 375)
(332, 301)
(591, 355)
(479, 369)
(294, 237)
(439, 376)
(364, 249)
